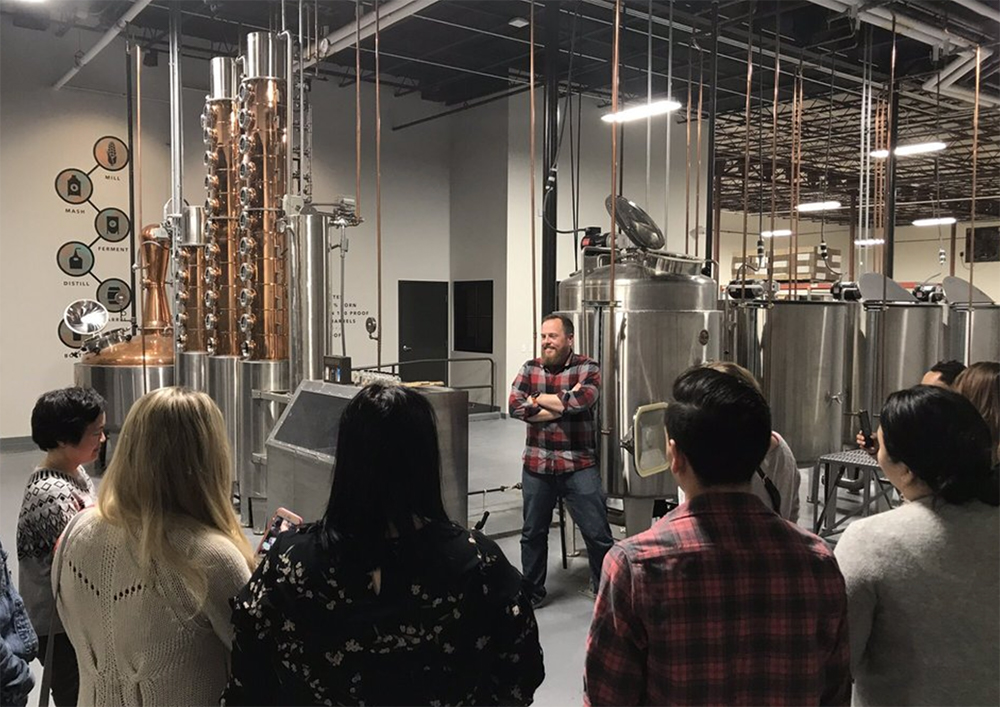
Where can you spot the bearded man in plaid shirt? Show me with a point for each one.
(721, 602)
(555, 395)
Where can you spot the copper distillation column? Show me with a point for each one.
(222, 211)
(264, 119)
(263, 298)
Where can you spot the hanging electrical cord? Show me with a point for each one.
(972, 216)
(774, 152)
(942, 256)
(687, 165)
(378, 187)
(746, 161)
(564, 114)
(824, 250)
(531, 180)
(670, 120)
(357, 110)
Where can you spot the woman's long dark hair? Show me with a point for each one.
(943, 440)
(388, 467)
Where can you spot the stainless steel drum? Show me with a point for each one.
(663, 323)
(983, 327)
(121, 386)
(804, 374)
(902, 341)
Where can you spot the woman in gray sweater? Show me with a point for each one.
(923, 579)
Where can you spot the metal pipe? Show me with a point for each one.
(378, 186)
(130, 117)
(389, 14)
(981, 8)
(531, 180)
(890, 188)
(711, 222)
(549, 158)
(972, 220)
(176, 164)
(106, 39)
(310, 286)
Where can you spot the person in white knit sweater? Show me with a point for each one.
(923, 579)
(143, 581)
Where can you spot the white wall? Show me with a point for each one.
(479, 230)
(43, 132)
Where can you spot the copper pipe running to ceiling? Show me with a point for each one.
(378, 187)
(531, 181)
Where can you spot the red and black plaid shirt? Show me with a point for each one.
(720, 603)
(566, 444)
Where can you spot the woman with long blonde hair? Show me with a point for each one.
(143, 582)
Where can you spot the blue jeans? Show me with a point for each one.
(584, 497)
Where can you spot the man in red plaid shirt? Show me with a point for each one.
(555, 394)
(721, 602)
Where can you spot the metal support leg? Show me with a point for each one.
(638, 515)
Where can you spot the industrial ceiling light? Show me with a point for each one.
(941, 221)
(917, 148)
(869, 241)
(644, 110)
(818, 206)
(775, 234)
(517, 22)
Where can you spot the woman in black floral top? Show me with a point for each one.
(385, 601)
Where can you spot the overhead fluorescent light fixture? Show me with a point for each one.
(869, 241)
(775, 234)
(942, 221)
(917, 148)
(817, 206)
(644, 110)
(518, 22)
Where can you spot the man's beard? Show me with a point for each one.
(553, 355)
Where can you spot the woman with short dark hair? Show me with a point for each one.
(385, 600)
(923, 579)
(68, 425)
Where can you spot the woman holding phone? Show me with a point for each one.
(385, 600)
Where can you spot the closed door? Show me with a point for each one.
(423, 330)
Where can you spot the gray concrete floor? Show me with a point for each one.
(494, 460)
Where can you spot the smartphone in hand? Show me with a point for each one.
(282, 520)
(866, 429)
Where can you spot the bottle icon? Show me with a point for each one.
(76, 260)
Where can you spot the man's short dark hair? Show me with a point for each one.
(949, 370)
(721, 423)
(567, 323)
(63, 416)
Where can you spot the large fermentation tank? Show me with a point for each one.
(301, 449)
(902, 341)
(803, 354)
(973, 331)
(665, 321)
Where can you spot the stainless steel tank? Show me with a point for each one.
(977, 335)
(902, 341)
(666, 320)
(803, 355)
(260, 384)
